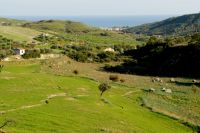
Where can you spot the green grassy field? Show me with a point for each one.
(184, 97)
(74, 105)
(18, 33)
(113, 38)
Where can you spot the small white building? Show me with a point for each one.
(109, 50)
(19, 51)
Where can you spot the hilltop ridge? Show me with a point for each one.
(181, 25)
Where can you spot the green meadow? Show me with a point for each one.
(18, 33)
(32, 100)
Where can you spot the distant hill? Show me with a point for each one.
(11, 22)
(181, 25)
(11, 29)
(17, 33)
(58, 26)
(21, 30)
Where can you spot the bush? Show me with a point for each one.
(45, 51)
(122, 80)
(31, 54)
(76, 72)
(103, 87)
(2, 56)
(106, 56)
(114, 78)
(104, 34)
(56, 47)
(81, 56)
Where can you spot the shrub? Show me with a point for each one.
(104, 87)
(114, 78)
(122, 80)
(106, 56)
(31, 54)
(56, 47)
(45, 51)
(76, 72)
(2, 56)
(104, 34)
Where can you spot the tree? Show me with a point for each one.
(195, 39)
(154, 40)
(103, 87)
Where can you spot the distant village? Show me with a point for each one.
(112, 28)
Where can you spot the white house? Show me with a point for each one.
(109, 50)
(19, 51)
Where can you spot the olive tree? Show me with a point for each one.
(103, 87)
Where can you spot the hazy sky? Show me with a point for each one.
(97, 7)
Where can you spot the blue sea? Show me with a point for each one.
(101, 21)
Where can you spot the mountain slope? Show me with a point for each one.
(181, 25)
(58, 26)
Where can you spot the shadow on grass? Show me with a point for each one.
(186, 83)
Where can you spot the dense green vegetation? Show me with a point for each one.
(182, 25)
(161, 58)
(5, 47)
(89, 53)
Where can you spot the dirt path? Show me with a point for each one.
(34, 105)
(48, 98)
(130, 92)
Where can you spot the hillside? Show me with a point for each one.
(11, 22)
(181, 25)
(30, 103)
(160, 59)
(17, 33)
(11, 29)
(58, 26)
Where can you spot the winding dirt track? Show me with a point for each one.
(34, 105)
(130, 92)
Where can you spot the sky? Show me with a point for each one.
(97, 7)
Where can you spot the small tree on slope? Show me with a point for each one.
(103, 87)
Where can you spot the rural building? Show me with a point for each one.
(112, 29)
(19, 51)
(109, 50)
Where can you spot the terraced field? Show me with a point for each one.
(34, 101)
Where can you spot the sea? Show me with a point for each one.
(101, 21)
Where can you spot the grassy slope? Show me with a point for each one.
(77, 31)
(112, 39)
(18, 33)
(81, 110)
(58, 26)
(12, 21)
(72, 31)
(184, 97)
